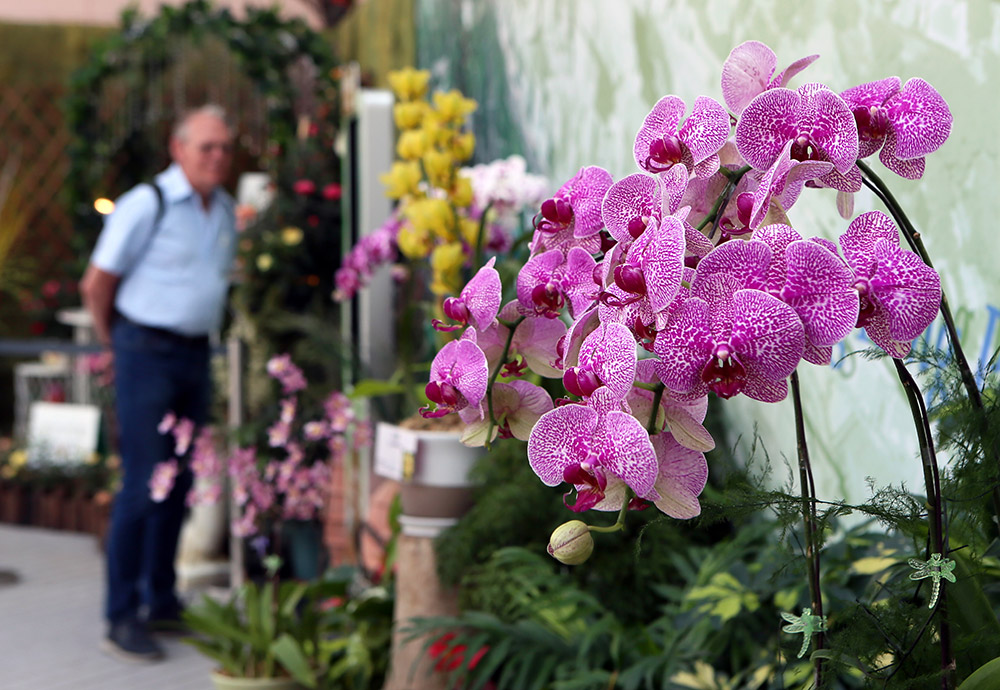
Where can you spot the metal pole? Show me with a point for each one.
(235, 354)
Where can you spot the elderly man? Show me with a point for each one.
(156, 286)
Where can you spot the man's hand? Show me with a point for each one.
(98, 290)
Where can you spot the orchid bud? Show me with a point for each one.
(571, 543)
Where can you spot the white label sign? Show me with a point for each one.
(395, 449)
(62, 433)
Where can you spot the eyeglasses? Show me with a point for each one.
(208, 146)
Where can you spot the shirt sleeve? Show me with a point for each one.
(126, 231)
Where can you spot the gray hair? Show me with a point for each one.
(180, 130)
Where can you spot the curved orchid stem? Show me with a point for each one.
(938, 536)
(808, 489)
(620, 522)
(723, 199)
(657, 396)
(874, 183)
(511, 327)
(478, 257)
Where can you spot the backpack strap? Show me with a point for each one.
(161, 209)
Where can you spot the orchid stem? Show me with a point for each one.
(478, 258)
(935, 521)
(875, 183)
(511, 327)
(723, 199)
(657, 396)
(808, 489)
(620, 522)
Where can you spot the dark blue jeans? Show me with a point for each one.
(155, 372)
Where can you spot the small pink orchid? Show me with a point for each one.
(749, 71)
(533, 345)
(167, 423)
(161, 483)
(338, 411)
(278, 434)
(458, 378)
(904, 124)
(288, 375)
(576, 207)
(586, 445)
(607, 359)
(478, 302)
(246, 524)
(663, 142)
(552, 281)
(183, 433)
(288, 407)
(900, 294)
(517, 406)
(316, 430)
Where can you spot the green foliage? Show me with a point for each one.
(314, 632)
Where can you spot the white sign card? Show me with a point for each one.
(392, 448)
(62, 433)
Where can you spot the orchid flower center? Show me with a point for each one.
(630, 279)
(724, 374)
(556, 214)
(645, 333)
(581, 381)
(867, 310)
(456, 310)
(587, 475)
(802, 149)
(637, 226)
(442, 393)
(664, 153)
(744, 207)
(873, 122)
(548, 299)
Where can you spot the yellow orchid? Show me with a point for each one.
(461, 193)
(469, 230)
(452, 106)
(265, 262)
(409, 115)
(18, 458)
(463, 146)
(440, 167)
(446, 263)
(409, 84)
(291, 235)
(432, 216)
(413, 242)
(411, 145)
(402, 179)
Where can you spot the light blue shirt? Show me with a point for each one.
(178, 280)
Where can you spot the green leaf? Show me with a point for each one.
(986, 677)
(371, 388)
(289, 653)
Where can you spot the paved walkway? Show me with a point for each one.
(51, 626)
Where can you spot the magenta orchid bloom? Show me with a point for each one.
(478, 302)
(810, 277)
(817, 121)
(630, 204)
(900, 294)
(904, 124)
(663, 142)
(517, 407)
(576, 207)
(458, 379)
(783, 181)
(749, 71)
(729, 336)
(551, 281)
(586, 445)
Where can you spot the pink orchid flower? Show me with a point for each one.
(478, 302)
(663, 142)
(749, 71)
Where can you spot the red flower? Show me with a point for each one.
(332, 191)
(50, 288)
(304, 187)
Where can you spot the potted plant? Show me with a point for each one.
(284, 634)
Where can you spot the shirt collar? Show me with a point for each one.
(176, 187)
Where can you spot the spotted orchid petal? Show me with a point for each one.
(662, 142)
(585, 191)
(551, 280)
(482, 295)
(517, 406)
(661, 259)
(683, 417)
(461, 365)
(746, 262)
(630, 204)
(704, 132)
(920, 119)
(681, 477)
(784, 181)
(748, 72)
(610, 353)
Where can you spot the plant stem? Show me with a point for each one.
(657, 396)
(808, 489)
(723, 199)
(935, 521)
(511, 327)
(478, 257)
(875, 183)
(620, 522)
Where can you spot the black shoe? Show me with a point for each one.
(130, 640)
(169, 623)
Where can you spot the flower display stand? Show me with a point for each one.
(433, 470)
